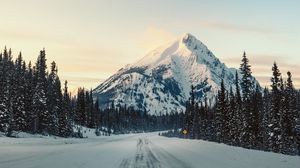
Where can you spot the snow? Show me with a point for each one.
(133, 150)
(183, 62)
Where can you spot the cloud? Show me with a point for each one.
(39, 37)
(262, 67)
(263, 62)
(77, 81)
(153, 36)
(234, 27)
(265, 81)
(85, 59)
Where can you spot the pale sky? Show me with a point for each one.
(91, 39)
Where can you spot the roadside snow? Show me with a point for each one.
(133, 150)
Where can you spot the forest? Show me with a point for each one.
(33, 100)
(250, 117)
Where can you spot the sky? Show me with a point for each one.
(91, 40)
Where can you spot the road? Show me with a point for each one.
(133, 151)
(148, 155)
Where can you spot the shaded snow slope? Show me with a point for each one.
(161, 81)
(133, 151)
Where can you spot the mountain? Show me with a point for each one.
(161, 81)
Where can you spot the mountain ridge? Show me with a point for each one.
(161, 81)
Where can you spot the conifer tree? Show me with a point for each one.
(54, 98)
(232, 119)
(40, 108)
(266, 121)
(247, 111)
(18, 95)
(81, 116)
(196, 123)
(65, 123)
(28, 98)
(9, 90)
(297, 123)
(288, 115)
(274, 139)
(246, 83)
(189, 114)
(4, 113)
(256, 119)
(238, 116)
(219, 114)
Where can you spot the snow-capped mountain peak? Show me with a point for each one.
(161, 81)
(185, 46)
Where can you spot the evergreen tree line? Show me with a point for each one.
(31, 99)
(249, 116)
(119, 119)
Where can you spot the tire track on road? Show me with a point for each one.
(148, 155)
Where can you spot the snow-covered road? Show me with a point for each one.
(148, 155)
(133, 151)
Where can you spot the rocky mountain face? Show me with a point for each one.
(161, 81)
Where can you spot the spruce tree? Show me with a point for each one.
(297, 123)
(40, 108)
(81, 116)
(246, 83)
(4, 113)
(28, 98)
(54, 97)
(274, 139)
(247, 111)
(195, 123)
(189, 113)
(227, 114)
(266, 121)
(238, 116)
(219, 114)
(288, 114)
(232, 119)
(9, 90)
(256, 119)
(98, 117)
(65, 123)
(18, 95)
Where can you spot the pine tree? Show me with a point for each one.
(297, 123)
(246, 83)
(287, 120)
(256, 119)
(274, 125)
(238, 116)
(8, 90)
(40, 108)
(189, 114)
(65, 123)
(89, 109)
(98, 117)
(81, 116)
(4, 116)
(18, 95)
(54, 98)
(227, 114)
(202, 121)
(94, 108)
(232, 119)
(28, 98)
(266, 121)
(196, 123)
(247, 111)
(219, 114)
